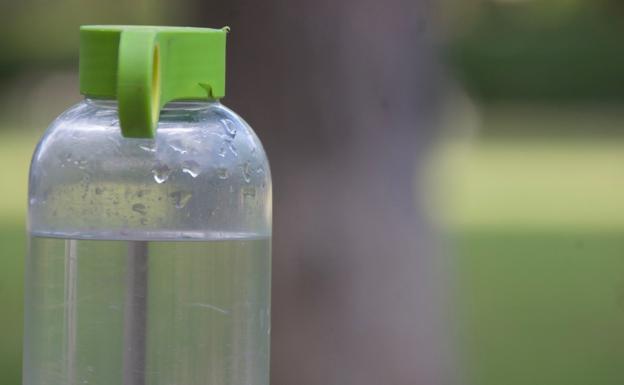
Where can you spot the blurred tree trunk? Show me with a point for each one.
(341, 94)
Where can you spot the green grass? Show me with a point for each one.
(541, 308)
(15, 152)
(534, 206)
(534, 183)
(13, 245)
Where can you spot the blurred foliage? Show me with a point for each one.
(539, 49)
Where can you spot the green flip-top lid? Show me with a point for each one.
(146, 67)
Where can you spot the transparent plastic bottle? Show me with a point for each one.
(149, 258)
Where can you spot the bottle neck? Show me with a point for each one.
(171, 106)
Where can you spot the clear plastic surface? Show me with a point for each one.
(205, 173)
(149, 259)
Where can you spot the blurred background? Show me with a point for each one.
(448, 177)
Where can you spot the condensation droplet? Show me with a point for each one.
(222, 173)
(191, 167)
(249, 192)
(147, 148)
(99, 190)
(180, 198)
(65, 159)
(177, 148)
(81, 163)
(230, 128)
(161, 173)
(222, 152)
(246, 171)
(139, 208)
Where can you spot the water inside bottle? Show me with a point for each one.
(147, 312)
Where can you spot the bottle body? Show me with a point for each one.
(149, 259)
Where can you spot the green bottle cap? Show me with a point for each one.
(145, 67)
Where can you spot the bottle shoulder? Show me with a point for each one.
(209, 131)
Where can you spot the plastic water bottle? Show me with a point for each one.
(149, 222)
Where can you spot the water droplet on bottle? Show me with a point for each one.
(161, 173)
(82, 163)
(180, 198)
(222, 152)
(147, 148)
(65, 159)
(139, 208)
(99, 190)
(246, 171)
(249, 192)
(230, 128)
(232, 148)
(223, 173)
(178, 148)
(191, 167)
